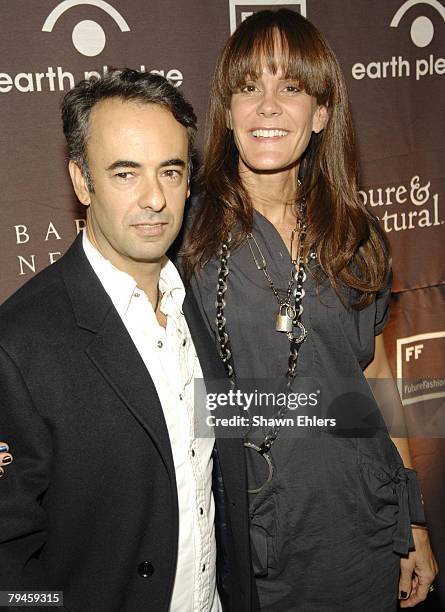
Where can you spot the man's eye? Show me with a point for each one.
(173, 175)
(124, 175)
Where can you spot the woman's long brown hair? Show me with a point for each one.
(351, 247)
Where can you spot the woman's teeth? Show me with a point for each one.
(268, 133)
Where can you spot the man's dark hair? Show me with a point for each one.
(126, 85)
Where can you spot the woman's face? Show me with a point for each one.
(272, 122)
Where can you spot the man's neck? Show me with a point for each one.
(145, 274)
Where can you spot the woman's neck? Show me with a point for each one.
(273, 195)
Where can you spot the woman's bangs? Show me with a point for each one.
(276, 50)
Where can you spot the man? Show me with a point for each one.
(110, 496)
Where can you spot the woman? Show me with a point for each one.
(292, 275)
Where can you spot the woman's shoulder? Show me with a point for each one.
(193, 208)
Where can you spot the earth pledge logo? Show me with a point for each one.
(88, 36)
(421, 32)
(89, 39)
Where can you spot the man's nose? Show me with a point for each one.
(152, 196)
(269, 105)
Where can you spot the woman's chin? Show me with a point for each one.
(270, 165)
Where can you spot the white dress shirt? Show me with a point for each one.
(170, 358)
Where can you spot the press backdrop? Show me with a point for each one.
(392, 53)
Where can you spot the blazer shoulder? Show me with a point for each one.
(33, 304)
(32, 290)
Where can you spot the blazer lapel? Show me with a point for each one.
(112, 350)
(113, 353)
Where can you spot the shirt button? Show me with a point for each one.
(136, 294)
(193, 452)
(160, 345)
(145, 569)
(201, 511)
(184, 342)
(180, 397)
(203, 568)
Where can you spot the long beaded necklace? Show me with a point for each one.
(288, 318)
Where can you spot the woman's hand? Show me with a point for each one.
(5, 457)
(417, 571)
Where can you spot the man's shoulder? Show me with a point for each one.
(25, 312)
(33, 292)
(35, 302)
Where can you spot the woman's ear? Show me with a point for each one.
(320, 118)
(229, 119)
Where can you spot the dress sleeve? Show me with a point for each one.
(382, 306)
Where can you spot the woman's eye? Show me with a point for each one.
(292, 88)
(248, 88)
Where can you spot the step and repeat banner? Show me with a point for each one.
(392, 53)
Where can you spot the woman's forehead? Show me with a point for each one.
(262, 68)
(279, 73)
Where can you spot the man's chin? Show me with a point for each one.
(150, 258)
(151, 251)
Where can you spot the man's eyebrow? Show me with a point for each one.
(176, 161)
(123, 163)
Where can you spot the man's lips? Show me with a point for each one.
(148, 223)
(150, 229)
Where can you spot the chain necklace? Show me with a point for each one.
(288, 315)
(299, 276)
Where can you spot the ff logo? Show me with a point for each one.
(418, 358)
(241, 9)
(415, 350)
(88, 36)
(422, 29)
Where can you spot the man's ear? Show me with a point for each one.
(320, 118)
(80, 183)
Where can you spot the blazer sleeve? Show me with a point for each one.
(22, 516)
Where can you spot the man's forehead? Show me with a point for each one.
(105, 110)
(125, 128)
(112, 113)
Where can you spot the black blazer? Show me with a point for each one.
(90, 504)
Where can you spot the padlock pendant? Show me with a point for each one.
(284, 319)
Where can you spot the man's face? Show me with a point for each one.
(137, 156)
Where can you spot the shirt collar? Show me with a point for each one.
(121, 286)
(172, 289)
